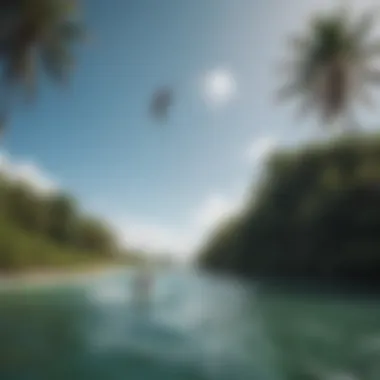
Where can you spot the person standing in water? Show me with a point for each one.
(144, 284)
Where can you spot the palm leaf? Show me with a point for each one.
(48, 33)
(299, 43)
(56, 60)
(29, 75)
(32, 32)
(289, 91)
(306, 107)
(324, 64)
(71, 32)
(363, 27)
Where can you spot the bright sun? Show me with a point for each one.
(219, 86)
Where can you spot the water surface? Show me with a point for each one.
(195, 327)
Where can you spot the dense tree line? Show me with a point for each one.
(38, 229)
(315, 214)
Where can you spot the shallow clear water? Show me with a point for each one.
(195, 327)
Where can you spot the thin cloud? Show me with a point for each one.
(181, 243)
(261, 149)
(28, 172)
(155, 238)
(214, 209)
(219, 86)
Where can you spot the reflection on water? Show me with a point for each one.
(98, 331)
(194, 328)
(320, 337)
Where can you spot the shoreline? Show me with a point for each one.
(53, 277)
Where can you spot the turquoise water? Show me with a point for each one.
(195, 327)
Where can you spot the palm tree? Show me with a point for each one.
(332, 67)
(33, 32)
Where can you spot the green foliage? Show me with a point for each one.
(34, 31)
(48, 231)
(316, 214)
(331, 66)
(61, 218)
(92, 234)
(36, 36)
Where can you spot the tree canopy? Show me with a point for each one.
(316, 214)
(36, 36)
(331, 67)
(38, 230)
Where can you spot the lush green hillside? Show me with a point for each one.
(316, 213)
(39, 230)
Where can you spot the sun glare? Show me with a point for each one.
(219, 86)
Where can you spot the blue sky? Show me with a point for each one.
(163, 185)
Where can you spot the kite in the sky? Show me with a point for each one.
(161, 101)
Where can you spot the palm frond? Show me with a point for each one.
(34, 32)
(47, 31)
(291, 68)
(57, 60)
(299, 43)
(305, 108)
(289, 91)
(27, 75)
(325, 62)
(3, 123)
(361, 30)
(71, 32)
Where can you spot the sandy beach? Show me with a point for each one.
(56, 277)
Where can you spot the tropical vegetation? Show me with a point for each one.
(36, 36)
(331, 68)
(41, 230)
(315, 214)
